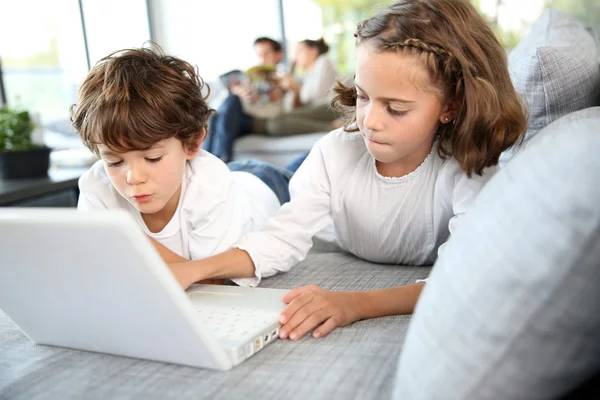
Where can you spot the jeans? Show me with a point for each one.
(230, 123)
(295, 164)
(277, 179)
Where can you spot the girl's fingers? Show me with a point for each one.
(300, 314)
(293, 307)
(325, 328)
(308, 324)
(292, 294)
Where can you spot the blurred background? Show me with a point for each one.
(47, 47)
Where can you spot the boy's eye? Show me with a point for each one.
(396, 112)
(154, 160)
(113, 164)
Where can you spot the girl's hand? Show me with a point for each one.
(311, 306)
(182, 274)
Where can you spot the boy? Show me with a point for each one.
(143, 113)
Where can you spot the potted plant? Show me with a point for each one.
(19, 156)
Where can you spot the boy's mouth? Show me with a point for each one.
(142, 198)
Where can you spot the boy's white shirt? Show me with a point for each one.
(216, 208)
(386, 220)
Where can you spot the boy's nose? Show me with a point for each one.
(135, 176)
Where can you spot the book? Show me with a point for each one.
(263, 79)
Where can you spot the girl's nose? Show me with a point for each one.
(373, 120)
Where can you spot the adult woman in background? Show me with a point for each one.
(315, 87)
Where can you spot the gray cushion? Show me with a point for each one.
(555, 69)
(511, 309)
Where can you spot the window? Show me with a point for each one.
(334, 20)
(217, 36)
(511, 19)
(112, 25)
(42, 68)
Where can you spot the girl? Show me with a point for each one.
(431, 110)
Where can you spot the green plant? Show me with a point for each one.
(16, 128)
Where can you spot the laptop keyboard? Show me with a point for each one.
(236, 323)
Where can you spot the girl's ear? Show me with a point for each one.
(450, 112)
(191, 154)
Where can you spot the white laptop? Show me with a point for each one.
(93, 281)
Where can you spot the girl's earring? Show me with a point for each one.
(446, 120)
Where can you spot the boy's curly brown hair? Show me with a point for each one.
(134, 98)
(467, 66)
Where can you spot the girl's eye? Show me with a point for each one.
(154, 160)
(114, 164)
(396, 112)
(360, 97)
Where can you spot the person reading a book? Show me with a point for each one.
(257, 102)
(270, 55)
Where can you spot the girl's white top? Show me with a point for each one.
(380, 219)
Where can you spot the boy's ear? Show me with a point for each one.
(192, 154)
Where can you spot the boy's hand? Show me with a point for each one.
(311, 306)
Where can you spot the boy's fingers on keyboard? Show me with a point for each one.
(325, 328)
(292, 294)
(314, 320)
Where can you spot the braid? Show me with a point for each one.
(447, 63)
(417, 44)
(359, 28)
(446, 59)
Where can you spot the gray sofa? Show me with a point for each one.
(356, 362)
(276, 150)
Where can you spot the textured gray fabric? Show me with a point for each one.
(511, 307)
(555, 69)
(355, 362)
